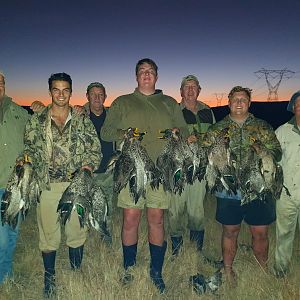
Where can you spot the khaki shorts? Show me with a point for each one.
(49, 226)
(154, 199)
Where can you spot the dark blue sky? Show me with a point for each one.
(221, 42)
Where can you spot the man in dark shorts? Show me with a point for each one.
(245, 132)
(255, 213)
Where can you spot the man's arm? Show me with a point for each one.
(37, 106)
(92, 154)
(269, 140)
(111, 130)
(31, 141)
(178, 120)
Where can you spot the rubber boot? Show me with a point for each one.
(157, 260)
(49, 277)
(198, 237)
(177, 243)
(129, 260)
(75, 256)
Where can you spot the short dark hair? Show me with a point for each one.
(146, 61)
(60, 77)
(239, 88)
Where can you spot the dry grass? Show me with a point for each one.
(102, 267)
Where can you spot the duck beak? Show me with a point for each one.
(26, 159)
(163, 132)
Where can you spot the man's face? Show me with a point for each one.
(146, 76)
(96, 97)
(190, 91)
(297, 107)
(60, 93)
(2, 87)
(239, 104)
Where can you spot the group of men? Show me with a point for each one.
(59, 141)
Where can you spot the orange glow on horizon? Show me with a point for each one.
(77, 99)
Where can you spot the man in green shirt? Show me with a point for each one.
(13, 119)
(147, 109)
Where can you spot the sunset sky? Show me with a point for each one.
(221, 42)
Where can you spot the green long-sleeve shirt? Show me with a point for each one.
(12, 125)
(148, 113)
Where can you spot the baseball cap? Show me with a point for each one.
(95, 84)
(189, 78)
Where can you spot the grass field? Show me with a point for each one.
(102, 268)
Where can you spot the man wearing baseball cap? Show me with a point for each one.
(198, 117)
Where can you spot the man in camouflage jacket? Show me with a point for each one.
(244, 131)
(59, 142)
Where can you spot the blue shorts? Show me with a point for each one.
(257, 212)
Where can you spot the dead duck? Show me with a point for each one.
(220, 172)
(21, 192)
(98, 208)
(175, 162)
(134, 167)
(76, 197)
(199, 162)
(252, 182)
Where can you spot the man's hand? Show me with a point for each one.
(37, 106)
(78, 109)
(192, 139)
(257, 146)
(19, 163)
(87, 168)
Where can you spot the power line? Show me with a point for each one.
(219, 97)
(271, 76)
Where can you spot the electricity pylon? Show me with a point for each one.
(219, 97)
(271, 76)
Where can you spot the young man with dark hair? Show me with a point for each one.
(59, 142)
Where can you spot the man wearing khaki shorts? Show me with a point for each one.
(148, 110)
(59, 143)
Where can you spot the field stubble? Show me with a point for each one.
(99, 277)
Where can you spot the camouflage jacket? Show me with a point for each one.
(84, 148)
(242, 137)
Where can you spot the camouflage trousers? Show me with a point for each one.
(187, 209)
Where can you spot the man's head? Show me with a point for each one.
(2, 86)
(239, 102)
(294, 104)
(96, 95)
(190, 89)
(146, 74)
(60, 89)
